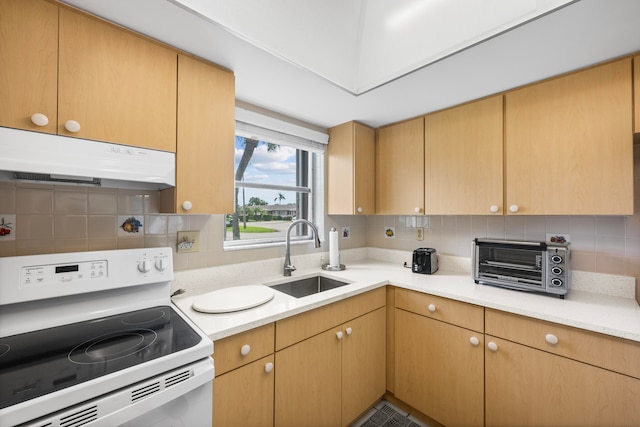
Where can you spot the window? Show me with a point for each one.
(279, 178)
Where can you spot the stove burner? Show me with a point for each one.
(112, 346)
(4, 349)
(145, 316)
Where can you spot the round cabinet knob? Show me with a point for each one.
(268, 367)
(474, 341)
(431, 308)
(514, 208)
(72, 126)
(492, 346)
(359, 209)
(349, 331)
(494, 209)
(245, 349)
(39, 119)
(339, 335)
(551, 339)
(187, 205)
(143, 266)
(417, 210)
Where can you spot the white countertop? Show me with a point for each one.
(612, 315)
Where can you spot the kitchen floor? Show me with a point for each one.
(384, 414)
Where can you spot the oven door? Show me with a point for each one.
(178, 398)
(516, 264)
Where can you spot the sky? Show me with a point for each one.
(277, 167)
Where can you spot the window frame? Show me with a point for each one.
(314, 170)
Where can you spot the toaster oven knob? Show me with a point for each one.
(556, 282)
(556, 270)
(556, 259)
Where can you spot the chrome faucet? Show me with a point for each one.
(288, 268)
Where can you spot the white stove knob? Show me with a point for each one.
(143, 266)
(161, 264)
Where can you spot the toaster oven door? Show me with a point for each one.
(515, 264)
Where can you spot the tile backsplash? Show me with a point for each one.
(46, 218)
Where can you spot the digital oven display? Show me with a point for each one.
(67, 268)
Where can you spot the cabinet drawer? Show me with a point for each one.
(297, 328)
(458, 313)
(227, 352)
(612, 353)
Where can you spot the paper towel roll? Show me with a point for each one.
(334, 257)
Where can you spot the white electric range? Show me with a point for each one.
(92, 338)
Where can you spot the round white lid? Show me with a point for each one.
(236, 298)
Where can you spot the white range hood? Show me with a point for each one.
(40, 157)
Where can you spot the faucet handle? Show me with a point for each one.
(291, 267)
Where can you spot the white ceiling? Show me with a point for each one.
(327, 62)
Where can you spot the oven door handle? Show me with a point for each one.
(507, 243)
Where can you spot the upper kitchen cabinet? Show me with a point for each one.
(463, 159)
(206, 129)
(400, 168)
(569, 142)
(351, 170)
(29, 66)
(114, 85)
(636, 87)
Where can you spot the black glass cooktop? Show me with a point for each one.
(37, 363)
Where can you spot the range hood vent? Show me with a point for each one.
(44, 177)
(44, 158)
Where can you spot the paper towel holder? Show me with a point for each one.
(333, 267)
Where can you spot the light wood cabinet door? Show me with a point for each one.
(308, 382)
(351, 170)
(206, 128)
(463, 159)
(636, 92)
(400, 168)
(244, 397)
(363, 364)
(119, 86)
(569, 142)
(439, 370)
(29, 66)
(529, 387)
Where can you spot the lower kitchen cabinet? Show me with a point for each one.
(530, 387)
(439, 366)
(332, 377)
(543, 374)
(244, 397)
(243, 386)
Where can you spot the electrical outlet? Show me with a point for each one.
(188, 241)
(419, 233)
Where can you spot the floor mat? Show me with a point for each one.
(384, 414)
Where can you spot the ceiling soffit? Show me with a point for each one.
(359, 45)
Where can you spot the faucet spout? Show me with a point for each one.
(288, 268)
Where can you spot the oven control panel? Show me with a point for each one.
(63, 273)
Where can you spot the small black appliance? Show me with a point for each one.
(425, 261)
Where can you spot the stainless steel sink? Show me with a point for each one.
(311, 285)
